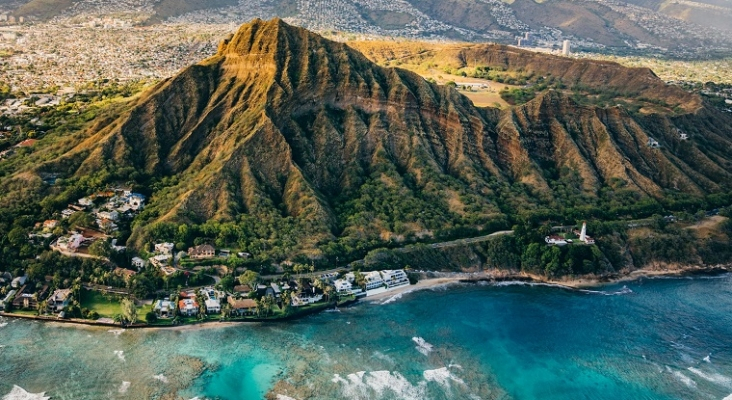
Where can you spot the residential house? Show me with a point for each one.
(138, 262)
(242, 306)
(373, 280)
(242, 290)
(164, 248)
(302, 299)
(136, 201)
(343, 286)
(50, 224)
(18, 282)
(67, 213)
(126, 274)
(24, 299)
(8, 299)
(212, 302)
(395, 278)
(59, 300)
(213, 306)
(202, 251)
(188, 307)
(160, 260)
(276, 290)
(85, 202)
(110, 215)
(164, 308)
(70, 243)
(555, 240)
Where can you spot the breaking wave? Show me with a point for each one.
(18, 393)
(423, 346)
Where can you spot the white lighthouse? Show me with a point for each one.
(583, 233)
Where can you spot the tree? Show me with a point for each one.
(249, 277)
(129, 311)
(100, 248)
(360, 279)
(151, 317)
(286, 301)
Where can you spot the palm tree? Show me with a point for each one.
(286, 301)
(268, 303)
(260, 306)
(360, 279)
(318, 284)
(329, 290)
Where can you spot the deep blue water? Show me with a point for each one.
(652, 339)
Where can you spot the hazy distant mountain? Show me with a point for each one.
(283, 125)
(703, 26)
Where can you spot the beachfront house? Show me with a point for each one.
(59, 300)
(242, 306)
(373, 280)
(343, 286)
(213, 306)
(212, 302)
(188, 307)
(302, 299)
(25, 300)
(164, 308)
(395, 278)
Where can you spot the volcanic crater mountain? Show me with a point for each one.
(310, 144)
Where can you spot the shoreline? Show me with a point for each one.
(494, 276)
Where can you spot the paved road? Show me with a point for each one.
(477, 239)
(441, 245)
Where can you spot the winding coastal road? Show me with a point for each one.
(441, 245)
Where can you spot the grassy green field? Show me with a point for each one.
(107, 306)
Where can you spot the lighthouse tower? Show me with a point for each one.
(583, 234)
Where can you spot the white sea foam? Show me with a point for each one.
(524, 283)
(18, 393)
(728, 397)
(619, 292)
(713, 377)
(116, 332)
(3, 324)
(441, 376)
(124, 386)
(120, 354)
(708, 358)
(381, 356)
(362, 385)
(422, 346)
(161, 378)
(392, 299)
(684, 379)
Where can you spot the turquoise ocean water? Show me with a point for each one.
(649, 339)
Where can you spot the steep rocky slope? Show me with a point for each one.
(284, 126)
